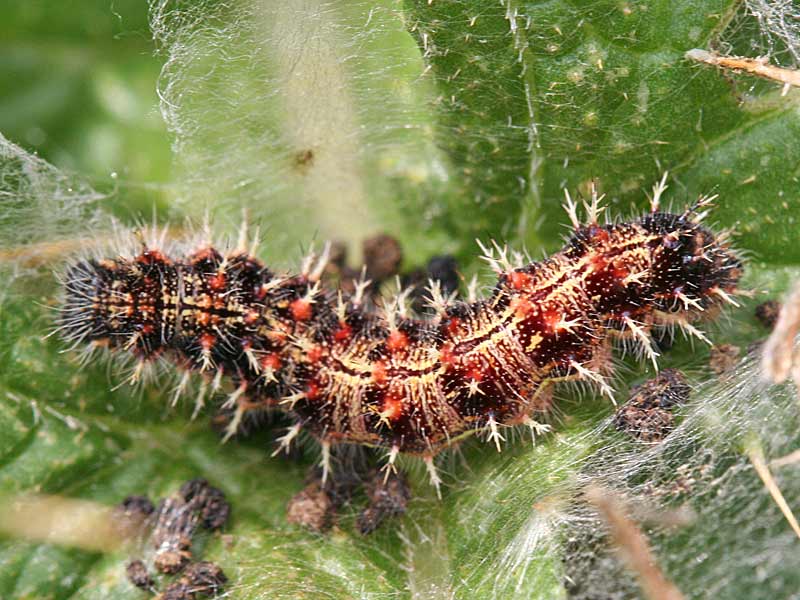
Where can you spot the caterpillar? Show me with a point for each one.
(353, 373)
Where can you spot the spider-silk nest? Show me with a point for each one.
(314, 116)
(779, 29)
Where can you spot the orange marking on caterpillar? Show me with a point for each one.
(207, 341)
(522, 307)
(301, 309)
(453, 325)
(343, 333)
(397, 340)
(552, 319)
(447, 357)
(519, 280)
(217, 282)
(475, 374)
(315, 353)
(379, 372)
(312, 390)
(271, 361)
(392, 407)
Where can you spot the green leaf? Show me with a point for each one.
(539, 97)
(438, 121)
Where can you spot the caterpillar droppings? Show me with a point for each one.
(349, 372)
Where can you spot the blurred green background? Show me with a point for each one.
(78, 88)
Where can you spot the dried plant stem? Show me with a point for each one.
(43, 253)
(789, 459)
(633, 545)
(59, 520)
(756, 456)
(778, 358)
(754, 66)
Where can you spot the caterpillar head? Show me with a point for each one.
(693, 262)
(118, 303)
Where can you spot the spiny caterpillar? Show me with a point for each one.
(348, 372)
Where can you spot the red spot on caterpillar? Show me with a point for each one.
(277, 337)
(379, 372)
(599, 235)
(205, 254)
(217, 282)
(598, 262)
(475, 374)
(522, 307)
(452, 325)
(619, 271)
(446, 356)
(552, 318)
(207, 341)
(519, 280)
(151, 256)
(343, 333)
(397, 340)
(271, 361)
(315, 353)
(301, 309)
(312, 390)
(392, 407)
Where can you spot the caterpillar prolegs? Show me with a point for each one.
(350, 372)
